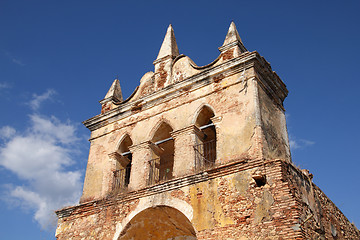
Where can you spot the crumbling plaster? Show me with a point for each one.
(236, 124)
(252, 191)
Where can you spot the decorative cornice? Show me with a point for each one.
(163, 59)
(110, 99)
(231, 45)
(247, 60)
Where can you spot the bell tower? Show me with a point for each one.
(198, 152)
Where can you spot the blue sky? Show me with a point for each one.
(58, 59)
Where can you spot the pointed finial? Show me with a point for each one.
(115, 91)
(169, 46)
(232, 35)
(233, 38)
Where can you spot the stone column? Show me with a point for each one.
(141, 154)
(216, 121)
(108, 175)
(184, 158)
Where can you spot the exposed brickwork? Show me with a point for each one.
(319, 217)
(229, 54)
(240, 186)
(106, 107)
(239, 207)
(162, 76)
(94, 221)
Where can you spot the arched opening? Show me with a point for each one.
(159, 223)
(123, 166)
(205, 146)
(162, 162)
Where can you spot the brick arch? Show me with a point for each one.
(199, 109)
(205, 149)
(162, 163)
(121, 139)
(152, 202)
(156, 127)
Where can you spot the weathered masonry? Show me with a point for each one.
(199, 153)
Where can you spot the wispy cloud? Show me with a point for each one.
(4, 85)
(7, 132)
(37, 100)
(296, 143)
(299, 143)
(41, 157)
(14, 59)
(17, 61)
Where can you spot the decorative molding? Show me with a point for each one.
(192, 129)
(146, 144)
(176, 183)
(270, 81)
(185, 130)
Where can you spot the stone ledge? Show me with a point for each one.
(219, 171)
(173, 184)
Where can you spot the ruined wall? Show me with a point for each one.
(225, 203)
(241, 208)
(319, 216)
(250, 191)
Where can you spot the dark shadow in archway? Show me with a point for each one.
(162, 163)
(159, 223)
(205, 147)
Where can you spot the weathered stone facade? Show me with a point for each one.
(199, 153)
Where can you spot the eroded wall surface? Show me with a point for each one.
(226, 204)
(235, 132)
(319, 216)
(251, 190)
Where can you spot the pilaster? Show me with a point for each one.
(216, 121)
(184, 158)
(141, 154)
(108, 175)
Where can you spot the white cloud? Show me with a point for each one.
(37, 100)
(294, 144)
(7, 132)
(307, 142)
(299, 143)
(41, 157)
(54, 129)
